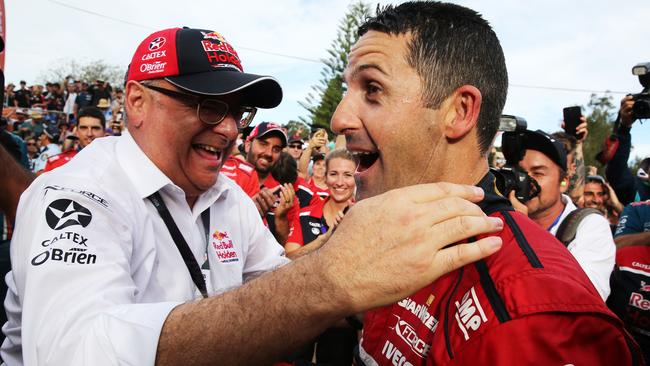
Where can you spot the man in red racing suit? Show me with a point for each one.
(528, 304)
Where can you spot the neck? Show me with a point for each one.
(546, 218)
(191, 200)
(262, 177)
(320, 181)
(332, 208)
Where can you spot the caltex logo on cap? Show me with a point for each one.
(157, 43)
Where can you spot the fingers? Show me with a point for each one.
(460, 228)
(452, 258)
(442, 210)
(434, 191)
(517, 204)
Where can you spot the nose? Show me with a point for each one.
(345, 118)
(228, 128)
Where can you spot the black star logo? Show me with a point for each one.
(64, 212)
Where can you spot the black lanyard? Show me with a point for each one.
(181, 244)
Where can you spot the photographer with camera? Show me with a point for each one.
(629, 186)
(545, 160)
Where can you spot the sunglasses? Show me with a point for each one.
(295, 146)
(209, 111)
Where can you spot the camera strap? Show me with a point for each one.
(181, 244)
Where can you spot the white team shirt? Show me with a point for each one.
(95, 270)
(593, 247)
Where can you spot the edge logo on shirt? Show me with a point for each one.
(64, 212)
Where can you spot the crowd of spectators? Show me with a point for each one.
(45, 119)
(303, 187)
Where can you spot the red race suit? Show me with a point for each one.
(243, 174)
(528, 304)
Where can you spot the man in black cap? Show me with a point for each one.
(137, 252)
(593, 245)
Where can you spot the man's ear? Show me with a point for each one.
(135, 101)
(463, 110)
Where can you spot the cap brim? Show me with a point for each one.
(258, 91)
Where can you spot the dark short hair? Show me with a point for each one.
(286, 169)
(451, 46)
(93, 112)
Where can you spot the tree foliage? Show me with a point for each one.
(601, 114)
(321, 102)
(88, 72)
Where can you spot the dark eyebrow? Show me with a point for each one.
(350, 74)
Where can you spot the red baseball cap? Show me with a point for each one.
(201, 62)
(266, 128)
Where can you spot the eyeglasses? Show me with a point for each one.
(209, 111)
(295, 146)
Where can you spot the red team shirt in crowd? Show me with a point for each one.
(528, 304)
(243, 174)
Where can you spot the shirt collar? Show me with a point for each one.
(493, 200)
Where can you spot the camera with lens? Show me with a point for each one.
(641, 108)
(511, 177)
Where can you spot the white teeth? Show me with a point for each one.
(208, 148)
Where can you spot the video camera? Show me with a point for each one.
(641, 108)
(511, 177)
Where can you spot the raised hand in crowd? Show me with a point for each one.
(626, 111)
(284, 202)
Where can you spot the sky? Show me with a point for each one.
(552, 48)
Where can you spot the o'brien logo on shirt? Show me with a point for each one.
(63, 213)
(224, 247)
(76, 253)
(470, 314)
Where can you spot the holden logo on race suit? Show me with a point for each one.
(470, 315)
(157, 43)
(421, 312)
(223, 247)
(73, 255)
(405, 331)
(63, 213)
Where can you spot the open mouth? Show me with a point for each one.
(209, 150)
(364, 159)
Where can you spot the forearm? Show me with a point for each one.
(303, 164)
(307, 248)
(577, 181)
(281, 228)
(633, 239)
(257, 323)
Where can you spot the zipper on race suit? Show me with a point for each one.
(451, 295)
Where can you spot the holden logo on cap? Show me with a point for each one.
(157, 43)
(64, 212)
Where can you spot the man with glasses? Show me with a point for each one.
(593, 247)
(295, 147)
(137, 251)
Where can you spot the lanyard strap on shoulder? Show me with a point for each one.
(181, 244)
